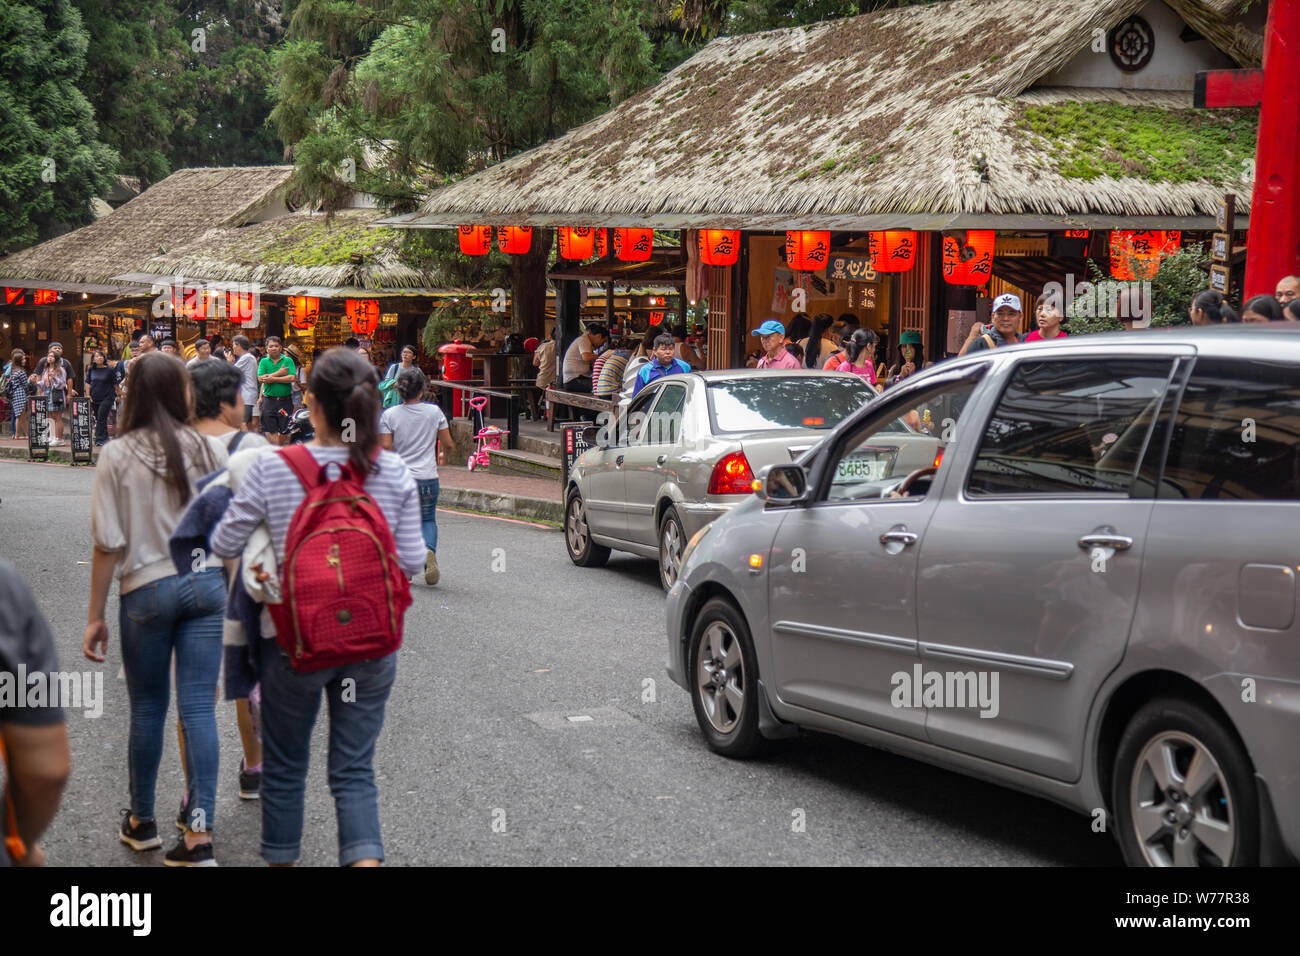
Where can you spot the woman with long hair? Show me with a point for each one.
(99, 385)
(17, 388)
(1210, 308)
(860, 356)
(343, 401)
(143, 482)
(818, 346)
(1261, 308)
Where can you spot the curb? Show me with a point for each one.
(58, 456)
(495, 503)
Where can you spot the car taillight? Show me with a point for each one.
(732, 476)
(938, 458)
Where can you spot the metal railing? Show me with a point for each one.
(511, 399)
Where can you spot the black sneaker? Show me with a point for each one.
(250, 783)
(142, 836)
(183, 817)
(198, 855)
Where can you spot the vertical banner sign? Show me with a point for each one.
(1221, 246)
(83, 426)
(38, 428)
(574, 445)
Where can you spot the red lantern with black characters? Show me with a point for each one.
(807, 251)
(363, 314)
(719, 247)
(893, 250)
(303, 311)
(1137, 255)
(515, 240)
(633, 245)
(577, 242)
(475, 240)
(240, 306)
(969, 262)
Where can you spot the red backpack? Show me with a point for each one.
(344, 594)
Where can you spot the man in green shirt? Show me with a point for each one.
(276, 372)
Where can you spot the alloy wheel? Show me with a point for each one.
(720, 677)
(575, 527)
(670, 553)
(1180, 804)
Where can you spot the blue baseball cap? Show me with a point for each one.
(770, 327)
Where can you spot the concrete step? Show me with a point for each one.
(526, 463)
(463, 435)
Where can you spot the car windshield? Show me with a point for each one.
(771, 402)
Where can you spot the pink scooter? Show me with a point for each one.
(488, 437)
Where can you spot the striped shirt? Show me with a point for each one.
(271, 493)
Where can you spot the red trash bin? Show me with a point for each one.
(457, 366)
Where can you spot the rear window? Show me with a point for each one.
(773, 402)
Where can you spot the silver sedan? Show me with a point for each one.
(686, 450)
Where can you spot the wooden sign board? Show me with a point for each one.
(1223, 221)
(851, 268)
(1219, 278)
(862, 295)
(1221, 247)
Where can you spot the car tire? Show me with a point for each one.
(672, 542)
(1157, 821)
(583, 552)
(726, 701)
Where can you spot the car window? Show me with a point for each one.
(631, 422)
(665, 421)
(1236, 435)
(773, 401)
(874, 462)
(1070, 427)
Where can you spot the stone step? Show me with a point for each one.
(527, 463)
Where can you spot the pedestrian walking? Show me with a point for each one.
(1261, 308)
(143, 482)
(860, 356)
(341, 394)
(818, 347)
(300, 374)
(245, 361)
(202, 353)
(99, 383)
(388, 386)
(846, 325)
(772, 338)
(16, 388)
(1210, 308)
(1007, 318)
(1048, 318)
(415, 429)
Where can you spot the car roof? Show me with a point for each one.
(736, 374)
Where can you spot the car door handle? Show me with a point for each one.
(906, 537)
(1105, 538)
(618, 462)
(661, 459)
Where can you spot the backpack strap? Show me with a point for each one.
(303, 464)
(989, 340)
(234, 442)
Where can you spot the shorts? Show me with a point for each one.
(276, 415)
(58, 400)
(248, 414)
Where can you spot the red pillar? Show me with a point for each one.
(1274, 246)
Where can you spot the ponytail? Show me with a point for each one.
(345, 385)
(1214, 306)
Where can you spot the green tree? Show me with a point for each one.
(52, 162)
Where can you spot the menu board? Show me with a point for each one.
(83, 430)
(38, 428)
(573, 444)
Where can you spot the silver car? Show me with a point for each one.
(1088, 593)
(686, 449)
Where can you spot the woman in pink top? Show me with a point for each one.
(1049, 318)
(861, 351)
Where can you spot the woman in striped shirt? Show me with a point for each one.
(343, 400)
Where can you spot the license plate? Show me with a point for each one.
(860, 467)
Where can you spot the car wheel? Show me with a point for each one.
(724, 680)
(672, 541)
(583, 552)
(1183, 792)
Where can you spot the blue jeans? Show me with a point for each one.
(180, 615)
(429, 511)
(290, 703)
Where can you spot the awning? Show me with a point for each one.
(319, 292)
(90, 288)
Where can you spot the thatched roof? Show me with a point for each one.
(300, 249)
(169, 214)
(913, 114)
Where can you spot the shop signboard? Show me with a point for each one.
(38, 428)
(83, 430)
(851, 268)
(574, 445)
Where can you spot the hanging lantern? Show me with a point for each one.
(240, 306)
(719, 247)
(1137, 255)
(515, 240)
(577, 242)
(45, 296)
(633, 245)
(893, 250)
(475, 240)
(656, 318)
(969, 262)
(364, 315)
(807, 251)
(189, 302)
(303, 310)
(1076, 234)
(602, 243)
(14, 296)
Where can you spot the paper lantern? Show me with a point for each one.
(475, 240)
(719, 247)
(304, 310)
(602, 243)
(633, 245)
(1137, 255)
(893, 250)
(515, 240)
(14, 296)
(656, 318)
(189, 302)
(45, 296)
(1076, 234)
(807, 251)
(363, 314)
(240, 306)
(577, 242)
(969, 262)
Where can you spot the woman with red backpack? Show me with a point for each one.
(344, 520)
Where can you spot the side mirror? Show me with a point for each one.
(591, 435)
(782, 485)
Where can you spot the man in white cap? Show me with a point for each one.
(1007, 319)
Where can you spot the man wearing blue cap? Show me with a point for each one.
(772, 337)
(1007, 318)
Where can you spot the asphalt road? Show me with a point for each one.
(479, 763)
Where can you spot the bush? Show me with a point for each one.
(1174, 285)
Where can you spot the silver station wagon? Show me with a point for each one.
(1069, 568)
(686, 449)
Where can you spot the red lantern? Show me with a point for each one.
(969, 262)
(304, 310)
(1137, 255)
(475, 240)
(719, 247)
(189, 302)
(807, 251)
(364, 315)
(656, 318)
(1076, 234)
(45, 297)
(633, 245)
(515, 240)
(240, 306)
(893, 250)
(14, 296)
(602, 243)
(577, 242)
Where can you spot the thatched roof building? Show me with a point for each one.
(949, 115)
